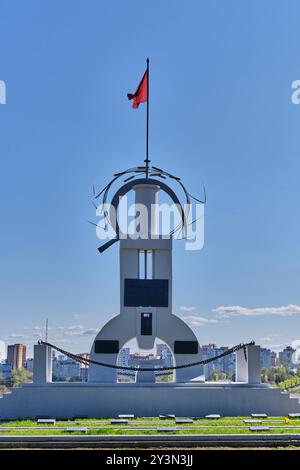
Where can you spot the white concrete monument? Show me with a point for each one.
(145, 297)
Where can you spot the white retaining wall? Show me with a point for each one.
(66, 400)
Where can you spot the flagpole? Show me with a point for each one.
(147, 125)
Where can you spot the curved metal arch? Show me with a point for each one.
(142, 169)
(128, 186)
(162, 174)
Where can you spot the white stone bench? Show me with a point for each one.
(77, 429)
(46, 421)
(167, 429)
(119, 421)
(126, 416)
(259, 428)
(252, 421)
(213, 416)
(183, 420)
(259, 415)
(294, 415)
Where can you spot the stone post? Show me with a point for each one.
(248, 370)
(42, 364)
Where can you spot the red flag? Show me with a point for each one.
(141, 94)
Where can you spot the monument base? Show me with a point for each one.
(101, 400)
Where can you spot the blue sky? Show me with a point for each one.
(221, 111)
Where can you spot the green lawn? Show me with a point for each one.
(234, 425)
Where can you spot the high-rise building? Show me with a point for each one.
(16, 355)
(84, 374)
(265, 358)
(208, 351)
(229, 363)
(273, 359)
(286, 356)
(225, 364)
(65, 368)
(6, 371)
(84, 368)
(163, 351)
(123, 357)
(29, 364)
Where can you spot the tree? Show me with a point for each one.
(3, 388)
(21, 376)
(265, 375)
(215, 376)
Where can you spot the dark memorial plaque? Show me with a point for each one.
(105, 346)
(146, 293)
(185, 347)
(146, 324)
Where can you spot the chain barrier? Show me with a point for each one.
(87, 361)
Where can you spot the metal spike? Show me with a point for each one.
(129, 178)
(107, 245)
(156, 168)
(92, 223)
(157, 174)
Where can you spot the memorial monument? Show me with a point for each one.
(145, 314)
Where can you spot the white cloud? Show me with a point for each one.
(278, 346)
(193, 320)
(64, 341)
(269, 337)
(77, 330)
(72, 333)
(296, 346)
(36, 336)
(90, 331)
(237, 310)
(16, 336)
(36, 328)
(71, 328)
(187, 309)
(40, 328)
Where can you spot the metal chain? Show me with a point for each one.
(84, 361)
